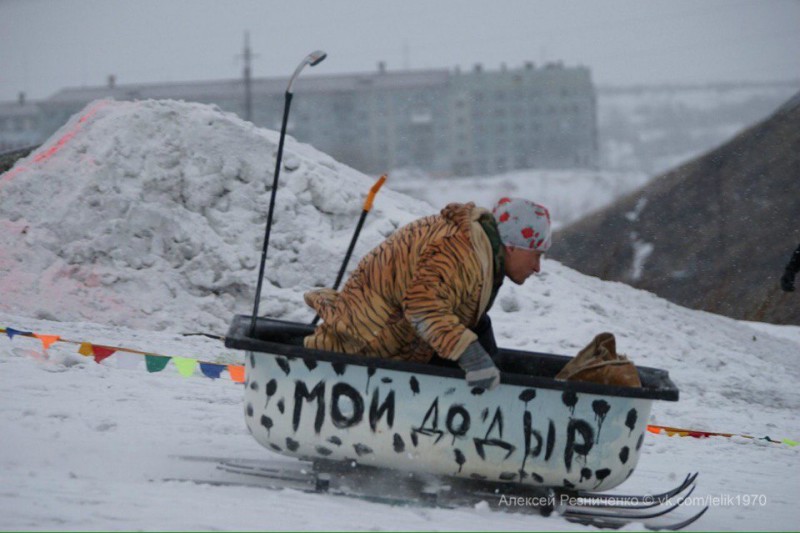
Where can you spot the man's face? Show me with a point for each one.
(521, 263)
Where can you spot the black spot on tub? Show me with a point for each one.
(370, 373)
(537, 478)
(568, 484)
(460, 459)
(252, 360)
(601, 409)
(267, 423)
(477, 391)
(508, 476)
(339, 368)
(586, 473)
(322, 450)
(310, 363)
(414, 384)
(249, 409)
(623, 454)
(449, 391)
(362, 449)
(527, 395)
(639, 442)
(601, 475)
(398, 443)
(281, 406)
(386, 380)
(630, 420)
(569, 398)
(291, 444)
(335, 440)
(254, 386)
(479, 477)
(275, 447)
(270, 389)
(284, 364)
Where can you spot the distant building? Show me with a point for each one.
(439, 121)
(20, 124)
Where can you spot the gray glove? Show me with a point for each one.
(479, 367)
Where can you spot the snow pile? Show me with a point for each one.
(151, 214)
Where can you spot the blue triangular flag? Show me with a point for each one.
(211, 370)
(11, 332)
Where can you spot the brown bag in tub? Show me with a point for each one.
(599, 362)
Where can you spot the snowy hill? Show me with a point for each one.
(150, 215)
(734, 211)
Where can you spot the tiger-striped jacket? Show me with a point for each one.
(416, 294)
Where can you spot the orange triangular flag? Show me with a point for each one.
(47, 340)
(236, 372)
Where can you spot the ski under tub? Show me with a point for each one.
(532, 430)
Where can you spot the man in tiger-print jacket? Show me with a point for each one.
(429, 285)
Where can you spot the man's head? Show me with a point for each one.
(525, 231)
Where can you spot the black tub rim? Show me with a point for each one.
(659, 386)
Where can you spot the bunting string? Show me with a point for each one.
(700, 434)
(186, 367)
(130, 358)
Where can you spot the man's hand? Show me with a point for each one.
(787, 281)
(479, 367)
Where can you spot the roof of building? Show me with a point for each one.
(310, 83)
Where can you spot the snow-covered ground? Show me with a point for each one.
(138, 221)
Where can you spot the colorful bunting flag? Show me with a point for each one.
(156, 363)
(86, 349)
(211, 370)
(11, 332)
(236, 372)
(185, 365)
(102, 352)
(47, 340)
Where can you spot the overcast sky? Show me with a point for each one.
(46, 45)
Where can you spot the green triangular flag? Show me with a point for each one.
(156, 363)
(185, 365)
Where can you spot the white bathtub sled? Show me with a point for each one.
(533, 434)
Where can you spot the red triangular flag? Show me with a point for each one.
(102, 352)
